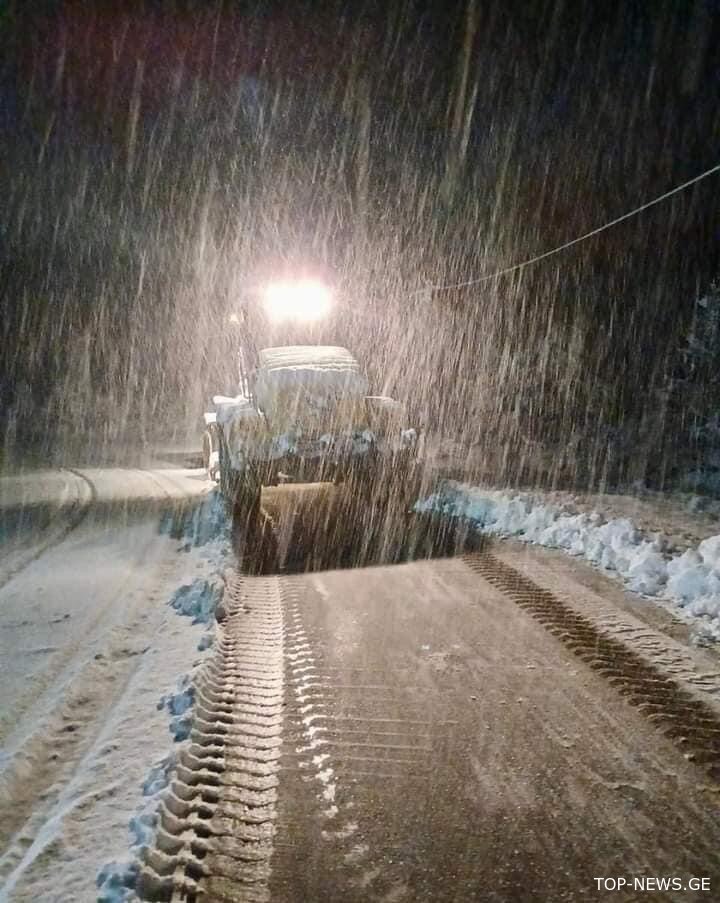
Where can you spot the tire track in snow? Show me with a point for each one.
(344, 730)
(38, 770)
(43, 762)
(68, 654)
(173, 492)
(217, 821)
(40, 791)
(689, 666)
(76, 514)
(683, 717)
(64, 658)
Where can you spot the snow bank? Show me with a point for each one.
(116, 880)
(689, 582)
(205, 526)
(199, 599)
(178, 705)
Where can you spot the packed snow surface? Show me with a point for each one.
(89, 644)
(690, 581)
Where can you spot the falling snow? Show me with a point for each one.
(157, 167)
(486, 191)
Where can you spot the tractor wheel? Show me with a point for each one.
(406, 479)
(245, 505)
(211, 452)
(227, 474)
(241, 491)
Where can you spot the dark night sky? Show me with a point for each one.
(583, 110)
(625, 94)
(638, 81)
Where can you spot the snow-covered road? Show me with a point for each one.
(65, 487)
(39, 508)
(93, 657)
(446, 729)
(88, 646)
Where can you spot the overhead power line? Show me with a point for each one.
(575, 241)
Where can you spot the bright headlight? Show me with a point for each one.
(305, 299)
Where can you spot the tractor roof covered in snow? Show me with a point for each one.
(324, 372)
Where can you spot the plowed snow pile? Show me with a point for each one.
(650, 564)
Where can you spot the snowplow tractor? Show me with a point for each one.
(307, 417)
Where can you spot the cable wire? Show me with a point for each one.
(574, 241)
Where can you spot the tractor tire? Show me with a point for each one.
(245, 506)
(241, 491)
(406, 478)
(210, 451)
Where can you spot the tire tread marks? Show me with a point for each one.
(217, 821)
(685, 719)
